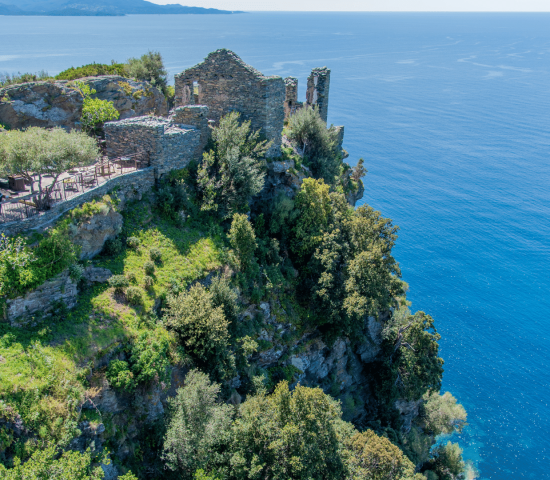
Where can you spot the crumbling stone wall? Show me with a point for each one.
(167, 145)
(318, 84)
(291, 96)
(195, 116)
(225, 83)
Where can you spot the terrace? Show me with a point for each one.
(21, 204)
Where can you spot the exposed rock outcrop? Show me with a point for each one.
(92, 233)
(19, 311)
(55, 104)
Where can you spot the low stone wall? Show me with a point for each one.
(130, 185)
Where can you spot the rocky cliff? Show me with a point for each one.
(56, 104)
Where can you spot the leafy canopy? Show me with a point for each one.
(243, 240)
(198, 424)
(44, 152)
(95, 111)
(44, 464)
(201, 329)
(231, 172)
(150, 68)
(318, 144)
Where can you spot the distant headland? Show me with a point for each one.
(99, 8)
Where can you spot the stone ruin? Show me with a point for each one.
(222, 83)
(168, 143)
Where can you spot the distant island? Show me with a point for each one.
(99, 8)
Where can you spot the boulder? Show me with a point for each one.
(56, 104)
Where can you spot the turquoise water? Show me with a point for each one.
(452, 115)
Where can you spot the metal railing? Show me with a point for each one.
(74, 184)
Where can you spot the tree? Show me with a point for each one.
(231, 172)
(375, 458)
(359, 171)
(412, 350)
(202, 329)
(95, 112)
(442, 414)
(314, 208)
(198, 425)
(288, 434)
(318, 144)
(447, 461)
(243, 240)
(45, 152)
(44, 464)
(149, 68)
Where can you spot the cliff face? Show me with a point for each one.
(55, 104)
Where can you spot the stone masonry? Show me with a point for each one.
(195, 116)
(225, 83)
(291, 97)
(318, 84)
(167, 145)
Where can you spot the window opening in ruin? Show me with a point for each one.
(195, 88)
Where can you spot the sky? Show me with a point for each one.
(372, 5)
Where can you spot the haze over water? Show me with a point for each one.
(452, 115)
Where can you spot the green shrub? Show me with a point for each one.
(120, 376)
(149, 267)
(149, 68)
(76, 272)
(17, 78)
(133, 242)
(307, 129)
(131, 276)
(23, 268)
(232, 171)
(149, 356)
(201, 329)
(243, 240)
(119, 283)
(148, 282)
(155, 254)
(92, 70)
(112, 247)
(134, 295)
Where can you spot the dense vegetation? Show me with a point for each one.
(191, 269)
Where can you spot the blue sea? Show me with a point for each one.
(451, 113)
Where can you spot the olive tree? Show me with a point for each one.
(45, 153)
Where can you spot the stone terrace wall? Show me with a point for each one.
(318, 84)
(133, 184)
(225, 83)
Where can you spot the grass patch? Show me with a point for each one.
(43, 369)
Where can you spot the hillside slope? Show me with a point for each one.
(99, 7)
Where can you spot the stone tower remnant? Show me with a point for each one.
(225, 83)
(318, 84)
(291, 97)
